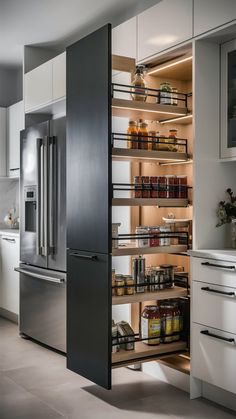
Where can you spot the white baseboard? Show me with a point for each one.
(168, 375)
(13, 317)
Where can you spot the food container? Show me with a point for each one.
(154, 186)
(162, 187)
(164, 241)
(138, 187)
(164, 96)
(154, 236)
(146, 187)
(151, 139)
(127, 335)
(120, 282)
(182, 189)
(139, 273)
(138, 91)
(168, 271)
(113, 281)
(132, 135)
(171, 184)
(115, 341)
(129, 285)
(142, 241)
(151, 325)
(176, 321)
(115, 235)
(143, 136)
(166, 311)
(174, 96)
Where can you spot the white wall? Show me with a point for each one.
(9, 198)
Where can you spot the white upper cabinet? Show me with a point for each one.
(209, 14)
(3, 141)
(15, 123)
(38, 86)
(59, 76)
(163, 26)
(124, 39)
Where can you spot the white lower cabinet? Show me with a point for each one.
(9, 279)
(214, 357)
(15, 123)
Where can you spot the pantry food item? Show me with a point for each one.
(126, 334)
(146, 193)
(113, 281)
(168, 275)
(115, 235)
(115, 341)
(154, 186)
(164, 96)
(171, 184)
(176, 321)
(129, 285)
(164, 238)
(120, 282)
(162, 187)
(142, 241)
(138, 91)
(172, 140)
(139, 273)
(152, 139)
(182, 189)
(138, 187)
(174, 96)
(132, 135)
(166, 311)
(154, 236)
(143, 136)
(151, 325)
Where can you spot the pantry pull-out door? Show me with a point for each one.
(89, 182)
(89, 316)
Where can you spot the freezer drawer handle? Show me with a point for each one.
(8, 240)
(208, 289)
(38, 276)
(212, 335)
(218, 266)
(78, 255)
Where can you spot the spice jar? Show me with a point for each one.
(129, 282)
(113, 281)
(176, 321)
(143, 136)
(164, 238)
(171, 183)
(138, 187)
(151, 139)
(164, 96)
(162, 188)
(154, 186)
(138, 90)
(174, 96)
(120, 286)
(172, 140)
(132, 135)
(182, 187)
(154, 236)
(166, 322)
(146, 193)
(142, 241)
(168, 275)
(151, 325)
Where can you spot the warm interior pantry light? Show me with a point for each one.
(148, 110)
(156, 70)
(167, 121)
(170, 163)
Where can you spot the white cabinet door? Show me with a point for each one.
(163, 26)
(15, 123)
(59, 77)
(3, 142)
(124, 39)
(9, 278)
(38, 87)
(208, 14)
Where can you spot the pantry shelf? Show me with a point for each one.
(120, 63)
(183, 120)
(175, 292)
(130, 250)
(145, 353)
(143, 110)
(121, 154)
(148, 202)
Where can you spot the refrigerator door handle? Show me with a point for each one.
(38, 276)
(52, 193)
(45, 196)
(39, 223)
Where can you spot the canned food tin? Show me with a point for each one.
(151, 325)
(139, 273)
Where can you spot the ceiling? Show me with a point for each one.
(57, 22)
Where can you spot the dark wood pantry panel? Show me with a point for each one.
(89, 143)
(89, 316)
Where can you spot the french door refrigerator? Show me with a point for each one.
(43, 233)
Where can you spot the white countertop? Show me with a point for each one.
(10, 232)
(228, 255)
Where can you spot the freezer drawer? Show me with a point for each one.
(214, 271)
(214, 306)
(43, 306)
(214, 357)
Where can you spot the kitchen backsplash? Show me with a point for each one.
(9, 198)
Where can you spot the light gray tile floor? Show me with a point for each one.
(35, 384)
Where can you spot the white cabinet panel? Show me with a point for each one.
(214, 305)
(15, 123)
(124, 39)
(38, 86)
(214, 271)
(208, 14)
(59, 77)
(3, 142)
(163, 26)
(9, 278)
(212, 359)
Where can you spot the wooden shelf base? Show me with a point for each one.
(149, 156)
(145, 353)
(177, 362)
(175, 292)
(130, 250)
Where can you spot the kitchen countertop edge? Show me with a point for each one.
(9, 232)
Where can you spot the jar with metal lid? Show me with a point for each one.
(174, 96)
(142, 241)
(138, 91)
(138, 193)
(143, 136)
(151, 140)
(162, 187)
(166, 311)
(129, 284)
(168, 275)
(171, 183)
(182, 187)
(154, 236)
(151, 325)
(146, 193)
(132, 135)
(154, 186)
(164, 96)
(120, 290)
(164, 238)
(176, 321)
(173, 140)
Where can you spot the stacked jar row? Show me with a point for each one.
(168, 186)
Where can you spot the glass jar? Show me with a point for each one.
(120, 286)
(132, 135)
(182, 189)
(142, 241)
(164, 96)
(164, 239)
(154, 236)
(154, 186)
(171, 183)
(138, 91)
(168, 275)
(151, 139)
(129, 282)
(138, 193)
(162, 188)
(146, 193)
(151, 325)
(143, 136)
(166, 311)
(174, 96)
(113, 281)
(176, 321)
(173, 140)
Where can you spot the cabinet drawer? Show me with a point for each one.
(214, 271)
(214, 358)
(214, 306)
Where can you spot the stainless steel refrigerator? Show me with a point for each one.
(43, 233)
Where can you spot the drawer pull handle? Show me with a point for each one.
(218, 266)
(212, 335)
(88, 257)
(208, 289)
